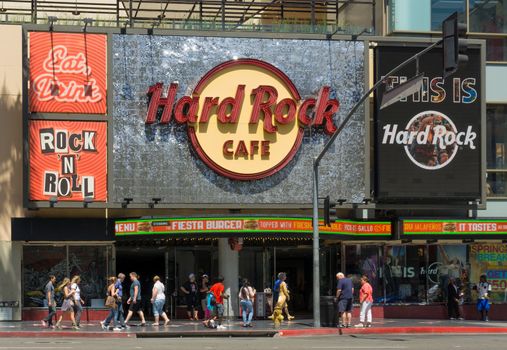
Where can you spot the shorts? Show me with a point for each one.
(483, 305)
(135, 307)
(345, 305)
(158, 307)
(192, 304)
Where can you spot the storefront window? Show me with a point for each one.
(404, 274)
(497, 184)
(422, 15)
(496, 136)
(490, 259)
(92, 263)
(446, 262)
(364, 260)
(496, 49)
(488, 16)
(38, 263)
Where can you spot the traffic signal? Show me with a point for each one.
(329, 211)
(454, 44)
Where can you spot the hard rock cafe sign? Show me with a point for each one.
(245, 117)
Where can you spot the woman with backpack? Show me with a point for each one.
(246, 296)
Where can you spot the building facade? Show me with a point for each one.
(111, 161)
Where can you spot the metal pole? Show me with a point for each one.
(316, 244)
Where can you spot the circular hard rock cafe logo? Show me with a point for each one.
(430, 155)
(245, 117)
(431, 139)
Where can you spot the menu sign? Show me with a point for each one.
(249, 225)
(454, 227)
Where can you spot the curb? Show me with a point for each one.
(391, 330)
(63, 334)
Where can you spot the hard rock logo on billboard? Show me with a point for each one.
(68, 160)
(431, 139)
(259, 121)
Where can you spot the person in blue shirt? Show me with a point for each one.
(344, 295)
(135, 299)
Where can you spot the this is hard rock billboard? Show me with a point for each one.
(212, 120)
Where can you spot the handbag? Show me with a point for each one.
(110, 302)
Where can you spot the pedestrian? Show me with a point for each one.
(190, 289)
(366, 301)
(134, 300)
(453, 300)
(218, 294)
(112, 303)
(203, 292)
(68, 303)
(119, 299)
(210, 321)
(281, 278)
(78, 302)
(483, 288)
(49, 292)
(280, 298)
(344, 295)
(246, 296)
(158, 301)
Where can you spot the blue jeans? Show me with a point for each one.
(113, 315)
(247, 307)
(120, 315)
(78, 310)
(158, 307)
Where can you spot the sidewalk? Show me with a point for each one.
(261, 328)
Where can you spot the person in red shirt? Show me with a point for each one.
(366, 300)
(218, 291)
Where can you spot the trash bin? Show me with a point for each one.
(328, 316)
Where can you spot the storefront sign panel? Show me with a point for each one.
(68, 73)
(428, 146)
(249, 225)
(166, 146)
(454, 227)
(68, 160)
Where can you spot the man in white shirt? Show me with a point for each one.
(483, 290)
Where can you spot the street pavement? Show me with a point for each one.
(261, 328)
(352, 342)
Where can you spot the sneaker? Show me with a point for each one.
(368, 325)
(348, 326)
(359, 325)
(126, 326)
(245, 325)
(486, 319)
(116, 329)
(460, 318)
(103, 325)
(75, 327)
(44, 324)
(221, 327)
(452, 318)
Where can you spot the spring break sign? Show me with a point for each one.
(67, 73)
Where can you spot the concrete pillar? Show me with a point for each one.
(228, 267)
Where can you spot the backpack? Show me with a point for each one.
(212, 300)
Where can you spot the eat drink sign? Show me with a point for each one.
(68, 73)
